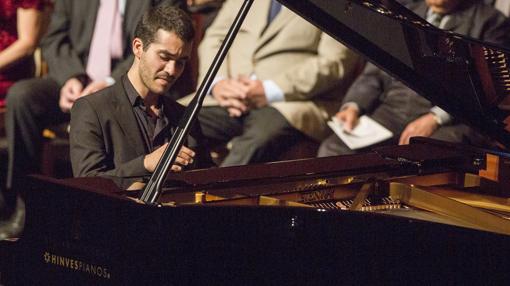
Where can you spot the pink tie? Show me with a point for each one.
(106, 41)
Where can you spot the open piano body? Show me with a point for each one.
(427, 212)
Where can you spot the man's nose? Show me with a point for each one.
(170, 67)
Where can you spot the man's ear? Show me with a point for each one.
(137, 47)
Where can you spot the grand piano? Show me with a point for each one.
(428, 212)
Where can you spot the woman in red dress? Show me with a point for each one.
(21, 26)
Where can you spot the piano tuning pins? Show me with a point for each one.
(499, 68)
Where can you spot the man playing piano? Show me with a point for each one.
(400, 109)
(122, 130)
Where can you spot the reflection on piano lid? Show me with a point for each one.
(467, 78)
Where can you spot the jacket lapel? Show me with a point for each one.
(457, 21)
(124, 115)
(421, 10)
(132, 13)
(90, 9)
(278, 23)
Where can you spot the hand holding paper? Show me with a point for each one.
(367, 132)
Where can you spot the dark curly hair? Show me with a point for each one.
(165, 17)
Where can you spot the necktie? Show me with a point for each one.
(106, 41)
(274, 10)
(435, 19)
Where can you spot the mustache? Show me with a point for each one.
(166, 77)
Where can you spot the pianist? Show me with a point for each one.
(397, 107)
(122, 130)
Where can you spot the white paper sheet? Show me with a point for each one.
(366, 133)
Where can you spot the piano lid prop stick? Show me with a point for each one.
(152, 189)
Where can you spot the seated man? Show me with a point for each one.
(87, 47)
(278, 82)
(122, 130)
(400, 109)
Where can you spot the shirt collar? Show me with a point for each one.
(134, 98)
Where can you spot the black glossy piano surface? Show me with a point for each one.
(85, 231)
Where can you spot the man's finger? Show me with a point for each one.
(404, 138)
(234, 112)
(187, 151)
(176, 168)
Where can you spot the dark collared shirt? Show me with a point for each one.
(155, 131)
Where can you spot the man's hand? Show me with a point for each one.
(184, 158)
(231, 94)
(93, 87)
(255, 95)
(349, 116)
(69, 93)
(423, 126)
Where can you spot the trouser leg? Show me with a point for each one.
(31, 106)
(217, 126)
(333, 146)
(265, 134)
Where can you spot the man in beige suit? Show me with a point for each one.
(280, 80)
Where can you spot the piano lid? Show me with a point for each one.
(467, 78)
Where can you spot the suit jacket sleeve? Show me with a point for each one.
(367, 88)
(88, 148)
(495, 30)
(214, 37)
(63, 61)
(333, 65)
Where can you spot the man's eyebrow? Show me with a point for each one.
(169, 54)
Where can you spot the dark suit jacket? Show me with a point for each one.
(66, 44)
(475, 19)
(393, 104)
(105, 138)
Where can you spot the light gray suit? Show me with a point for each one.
(312, 69)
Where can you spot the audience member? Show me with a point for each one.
(208, 9)
(278, 82)
(87, 48)
(123, 130)
(23, 23)
(400, 109)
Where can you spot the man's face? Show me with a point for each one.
(442, 6)
(163, 61)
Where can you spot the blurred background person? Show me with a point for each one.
(22, 24)
(397, 107)
(277, 84)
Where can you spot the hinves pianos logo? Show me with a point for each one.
(76, 265)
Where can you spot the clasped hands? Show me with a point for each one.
(74, 89)
(424, 125)
(240, 95)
